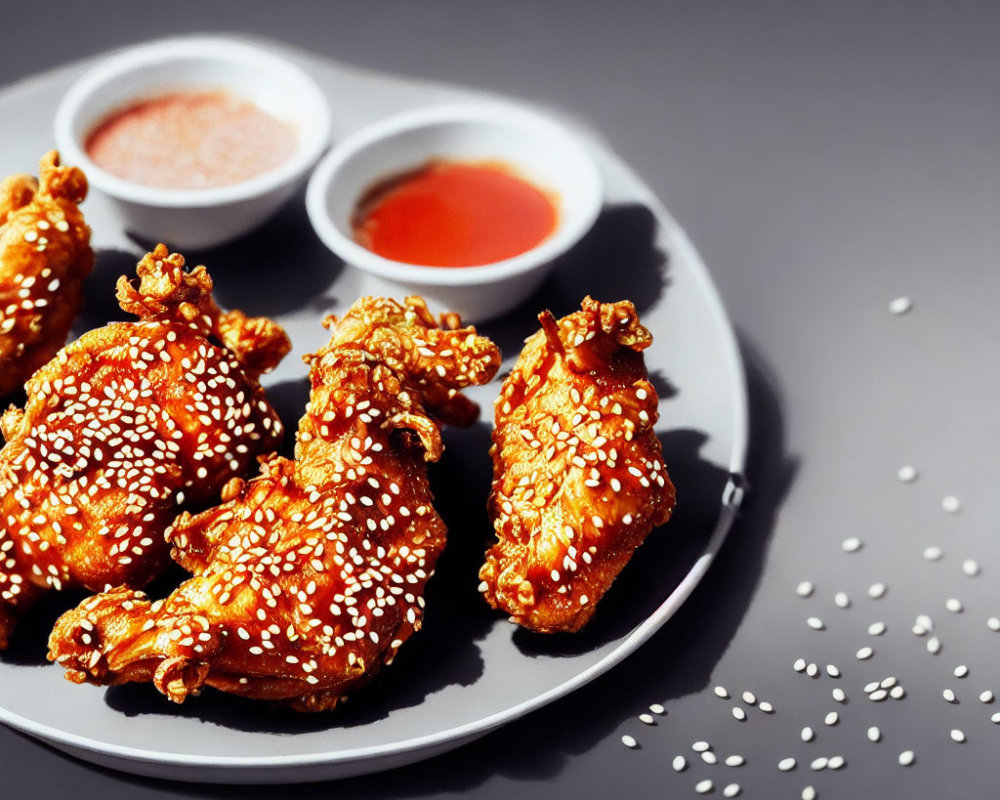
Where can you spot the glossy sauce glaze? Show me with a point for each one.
(454, 214)
(190, 140)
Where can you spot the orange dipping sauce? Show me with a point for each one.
(190, 140)
(454, 214)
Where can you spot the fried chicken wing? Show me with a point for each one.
(309, 577)
(124, 427)
(579, 479)
(45, 255)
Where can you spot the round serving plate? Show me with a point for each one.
(468, 671)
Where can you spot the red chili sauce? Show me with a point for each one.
(454, 214)
(190, 140)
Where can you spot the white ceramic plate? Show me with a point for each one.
(469, 671)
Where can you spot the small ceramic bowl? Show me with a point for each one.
(535, 146)
(196, 218)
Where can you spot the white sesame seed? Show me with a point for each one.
(951, 504)
(721, 691)
(833, 670)
(749, 698)
(874, 734)
(851, 545)
(986, 697)
(819, 763)
(876, 629)
(839, 695)
(629, 741)
(808, 793)
(709, 757)
(878, 695)
(832, 718)
(957, 735)
(739, 713)
(647, 719)
(954, 605)
(907, 757)
(815, 623)
(907, 474)
(704, 786)
(656, 708)
(897, 693)
(841, 600)
(807, 734)
(735, 761)
(836, 762)
(970, 567)
(766, 707)
(701, 746)
(731, 790)
(800, 663)
(995, 718)
(900, 305)
(864, 653)
(925, 622)
(877, 590)
(993, 623)
(933, 553)
(934, 645)
(787, 764)
(949, 695)
(961, 671)
(804, 588)
(888, 682)
(812, 670)
(679, 764)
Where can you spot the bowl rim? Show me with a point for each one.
(405, 123)
(313, 141)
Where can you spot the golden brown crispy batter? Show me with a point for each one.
(310, 577)
(579, 479)
(123, 428)
(45, 255)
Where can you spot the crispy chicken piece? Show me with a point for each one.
(578, 473)
(124, 427)
(45, 255)
(310, 577)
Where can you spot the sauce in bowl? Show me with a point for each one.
(454, 214)
(190, 140)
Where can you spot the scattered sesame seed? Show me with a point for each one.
(731, 790)
(949, 695)
(878, 695)
(954, 605)
(647, 719)
(836, 762)
(897, 693)
(749, 698)
(735, 761)
(833, 670)
(951, 504)
(808, 793)
(819, 763)
(986, 696)
(907, 757)
(839, 695)
(812, 670)
(970, 567)
(679, 763)
(701, 746)
(807, 734)
(815, 623)
(804, 588)
(832, 718)
(961, 671)
(876, 629)
(841, 600)
(657, 708)
(787, 764)
(704, 786)
(995, 718)
(925, 622)
(957, 735)
(739, 713)
(865, 653)
(721, 691)
(993, 623)
(629, 741)
(933, 553)
(907, 474)
(877, 590)
(900, 305)
(709, 757)
(800, 663)
(766, 707)
(851, 545)
(934, 645)
(874, 734)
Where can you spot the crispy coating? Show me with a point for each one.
(309, 577)
(45, 255)
(579, 479)
(124, 427)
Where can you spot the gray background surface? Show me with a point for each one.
(825, 158)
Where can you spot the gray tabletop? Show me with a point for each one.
(827, 160)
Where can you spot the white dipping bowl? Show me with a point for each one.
(536, 147)
(196, 218)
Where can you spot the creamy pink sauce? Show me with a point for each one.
(190, 140)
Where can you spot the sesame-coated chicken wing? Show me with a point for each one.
(309, 577)
(578, 473)
(45, 255)
(123, 428)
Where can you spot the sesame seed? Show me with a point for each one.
(851, 545)
(839, 695)
(993, 623)
(629, 741)
(720, 691)
(865, 653)
(934, 645)
(749, 698)
(704, 786)
(807, 734)
(647, 719)
(679, 763)
(739, 713)
(961, 671)
(906, 758)
(954, 605)
(832, 718)
(949, 696)
(815, 623)
(820, 763)
(841, 600)
(787, 764)
(874, 734)
(995, 718)
(986, 696)
(836, 762)
(900, 305)
(876, 629)
(709, 757)
(933, 553)
(731, 790)
(808, 793)
(832, 670)
(970, 567)
(877, 590)
(951, 504)
(804, 588)
(701, 746)
(735, 761)
(907, 474)
(800, 663)
(957, 735)
(766, 707)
